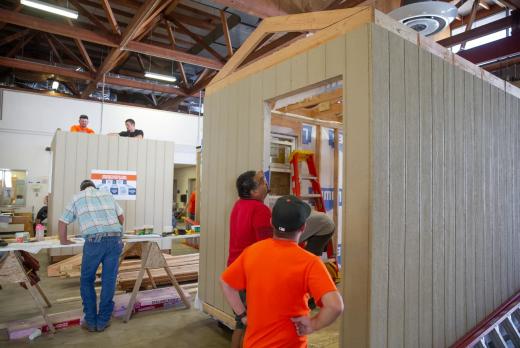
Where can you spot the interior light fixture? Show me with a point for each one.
(55, 85)
(160, 76)
(62, 11)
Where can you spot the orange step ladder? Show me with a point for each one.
(307, 157)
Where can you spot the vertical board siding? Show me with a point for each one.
(412, 201)
(450, 248)
(426, 223)
(397, 194)
(356, 166)
(431, 181)
(380, 198)
(75, 155)
(438, 182)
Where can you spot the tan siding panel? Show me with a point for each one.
(397, 194)
(334, 57)
(299, 71)
(449, 203)
(380, 199)
(316, 64)
(411, 266)
(426, 223)
(357, 183)
(438, 181)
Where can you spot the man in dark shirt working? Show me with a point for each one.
(130, 132)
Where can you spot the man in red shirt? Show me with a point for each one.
(250, 222)
(278, 276)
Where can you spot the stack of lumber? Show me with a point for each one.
(184, 267)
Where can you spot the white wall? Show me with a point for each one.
(182, 175)
(29, 120)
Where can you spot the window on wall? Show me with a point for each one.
(484, 39)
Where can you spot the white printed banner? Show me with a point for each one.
(122, 184)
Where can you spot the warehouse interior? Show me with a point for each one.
(398, 121)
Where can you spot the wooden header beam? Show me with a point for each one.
(85, 76)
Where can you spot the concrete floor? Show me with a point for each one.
(168, 328)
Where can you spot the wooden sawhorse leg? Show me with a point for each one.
(152, 257)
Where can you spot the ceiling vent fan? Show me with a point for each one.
(427, 17)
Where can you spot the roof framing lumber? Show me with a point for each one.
(56, 28)
(258, 8)
(110, 16)
(227, 37)
(99, 24)
(131, 30)
(14, 37)
(486, 29)
(78, 75)
(167, 53)
(497, 49)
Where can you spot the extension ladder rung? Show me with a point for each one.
(308, 178)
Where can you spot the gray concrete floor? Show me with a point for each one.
(167, 328)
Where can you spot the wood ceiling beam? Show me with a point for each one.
(216, 33)
(14, 37)
(92, 18)
(272, 46)
(68, 52)
(494, 50)
(110, 16)
(512, 4)
(52, 47)
(78, 75)
(480, 15)
(167, 53)
(199, 40)
(472, 16)
(131, 30)
(43, 68)
(82, 50)
(155, 16)
(180, 67)
(16, 9)
(21, 44)
(257, 8)
(315, 100)
(57, 28)
(197, 87)
(336, 5)
(227, 37)
(483, 30)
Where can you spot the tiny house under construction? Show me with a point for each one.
(427, 174)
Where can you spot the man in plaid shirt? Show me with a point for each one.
(100, 221)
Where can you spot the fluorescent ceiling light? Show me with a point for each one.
(160, 76)
(62, 11)
(55, 85)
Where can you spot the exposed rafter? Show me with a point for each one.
(110, 16)
(227, 37)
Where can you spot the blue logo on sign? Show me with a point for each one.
(306, 134)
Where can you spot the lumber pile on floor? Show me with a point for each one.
(184, 267)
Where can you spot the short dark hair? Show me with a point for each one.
(86, 184)
(83, 117)
(130, 121)
(246, 183)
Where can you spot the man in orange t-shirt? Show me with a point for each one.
(191, 207)
(82, 126)
(278, 276)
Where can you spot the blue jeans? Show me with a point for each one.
(105, 251)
